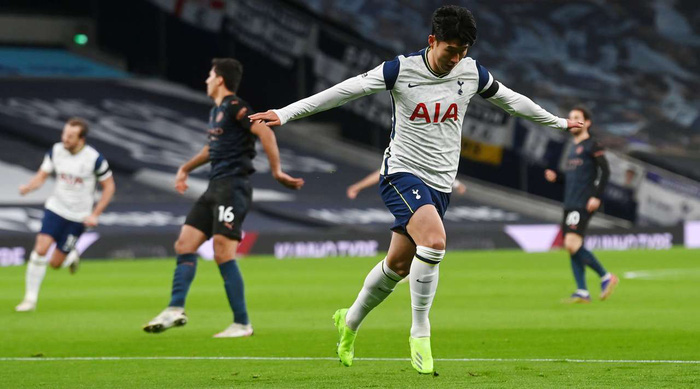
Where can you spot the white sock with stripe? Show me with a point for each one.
(36, 269)
(425, 271)
(379, 284)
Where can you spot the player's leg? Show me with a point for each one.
(191, 237)
(65, 242)
(428, 232)
(608, 280)
(382, 279)
(233, 198)
(378, 285)
(573, 243)
(225, 254)
(36, 270)
(72, 261)
(186, 246)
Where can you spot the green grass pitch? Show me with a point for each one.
(490, 305)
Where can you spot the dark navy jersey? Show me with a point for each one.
(581, 173)
(231, 144)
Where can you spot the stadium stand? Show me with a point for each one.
(147, 126)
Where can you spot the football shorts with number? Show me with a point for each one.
(576, 221)
(222, 208)
(65, 232)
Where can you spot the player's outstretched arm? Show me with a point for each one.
(519, 105)
(108, 189)
(184, 171)
(269, 143)
(370, 180)
(335, 96)
(35, 183)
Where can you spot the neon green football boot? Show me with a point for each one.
(346, 340)
(421, 355)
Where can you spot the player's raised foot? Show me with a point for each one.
(578, 298)
(26, 306)
(74, 259)
(608, 286)
(346, 338)
(421, 355)
(170, 317)
(236, 330)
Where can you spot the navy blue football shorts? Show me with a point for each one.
(404, 193)
(62, 230)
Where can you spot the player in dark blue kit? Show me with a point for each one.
(221, 210)
(587, 173)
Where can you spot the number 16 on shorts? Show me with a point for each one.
(226, 214)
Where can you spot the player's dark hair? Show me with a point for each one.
(79, 122)
(451, 22)
(585, 111)
(230, 70)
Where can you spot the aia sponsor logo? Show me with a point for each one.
(70, 180)
(421, 113)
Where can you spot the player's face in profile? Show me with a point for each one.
(577, 116)
(213, 81)
(71, 138)
(447, 53)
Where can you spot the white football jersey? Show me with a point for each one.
(76, 177)
(428, 112)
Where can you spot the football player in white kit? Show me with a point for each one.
(430, 91)
(69, 210)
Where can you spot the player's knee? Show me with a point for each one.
(41, 249)
(224, 249)
(435, 242)
(183, 247)
(55, 265)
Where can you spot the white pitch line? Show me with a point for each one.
(59, 359)
(661, 274)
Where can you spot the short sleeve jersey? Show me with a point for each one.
(76, 178)
(581, 173)
(231, 144)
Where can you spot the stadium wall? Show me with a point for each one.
(14, 246)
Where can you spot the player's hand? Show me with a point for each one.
(24, 189)
(550, 175)
(573, 124)
(288, 181)
(352, 192)
(460, 188)
(268, 117)
(181, 181)
(593, 204)
(90, 221)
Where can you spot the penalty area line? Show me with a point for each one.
(569, 360)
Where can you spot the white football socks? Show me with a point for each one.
(36, 269)
(379, 284)
(70, 258)
(425, 270)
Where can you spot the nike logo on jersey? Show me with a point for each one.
(412, 85)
